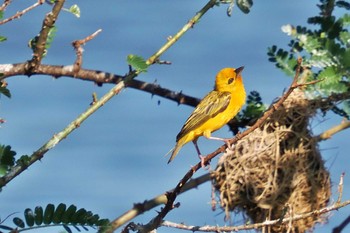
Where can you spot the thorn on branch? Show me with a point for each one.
(163, 62)
(94, 98)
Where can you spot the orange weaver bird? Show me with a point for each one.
(215, 110)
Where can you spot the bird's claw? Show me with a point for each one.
(203, 162)
(229, 146)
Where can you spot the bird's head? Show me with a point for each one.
(229, 79)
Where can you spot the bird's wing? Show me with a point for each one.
(211, 105)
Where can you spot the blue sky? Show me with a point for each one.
(116, 158)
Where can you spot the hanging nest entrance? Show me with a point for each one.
(277, 170)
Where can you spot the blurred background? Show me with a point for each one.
(116, 158)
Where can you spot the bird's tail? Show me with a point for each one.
(175, 150)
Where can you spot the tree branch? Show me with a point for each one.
(77, 44)
(40, 46)
(98, 77)
(5, 4)
(295, 217)
(37, 155)
(335, 129)
(172, 40)
(140, 208)
(337, 205)
(19, 13)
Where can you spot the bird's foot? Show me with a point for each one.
(201, 157)
(229, 146)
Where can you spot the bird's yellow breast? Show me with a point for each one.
(219, 120)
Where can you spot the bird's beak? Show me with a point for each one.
(239, 70)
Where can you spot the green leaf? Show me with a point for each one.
(75, 219)
(346, 107)
(2, 38)
(6, 228)
(48, 214)
(29, 217)
(255, 106)
(282, 59)
(137, 62)
(343, 4)
(245, 5)
(50, 2)
(86, 217)
(340, 112)
(57, 217)
(345, 59)
(67, 216)
(24, 160)
(7, 159)
(329, 76)
(75, 10)
(5, 92)
(345, 20)
(331, 81)
(39, 215)
(344, 37)
(18, 222)
(80, 216)
(67, 229)
(50, 36)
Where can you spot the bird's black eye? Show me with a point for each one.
(230, 80)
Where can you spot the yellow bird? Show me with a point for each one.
(215, 110)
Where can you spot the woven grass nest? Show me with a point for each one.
(276, 171)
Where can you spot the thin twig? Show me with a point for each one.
(140, 208)
(335, 129)
(77, 44)
(172, 40)
(5, 4)
(19, 13)
(286, 220)
(37, 155)
(340, 187)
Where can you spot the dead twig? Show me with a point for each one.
(78, 47)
